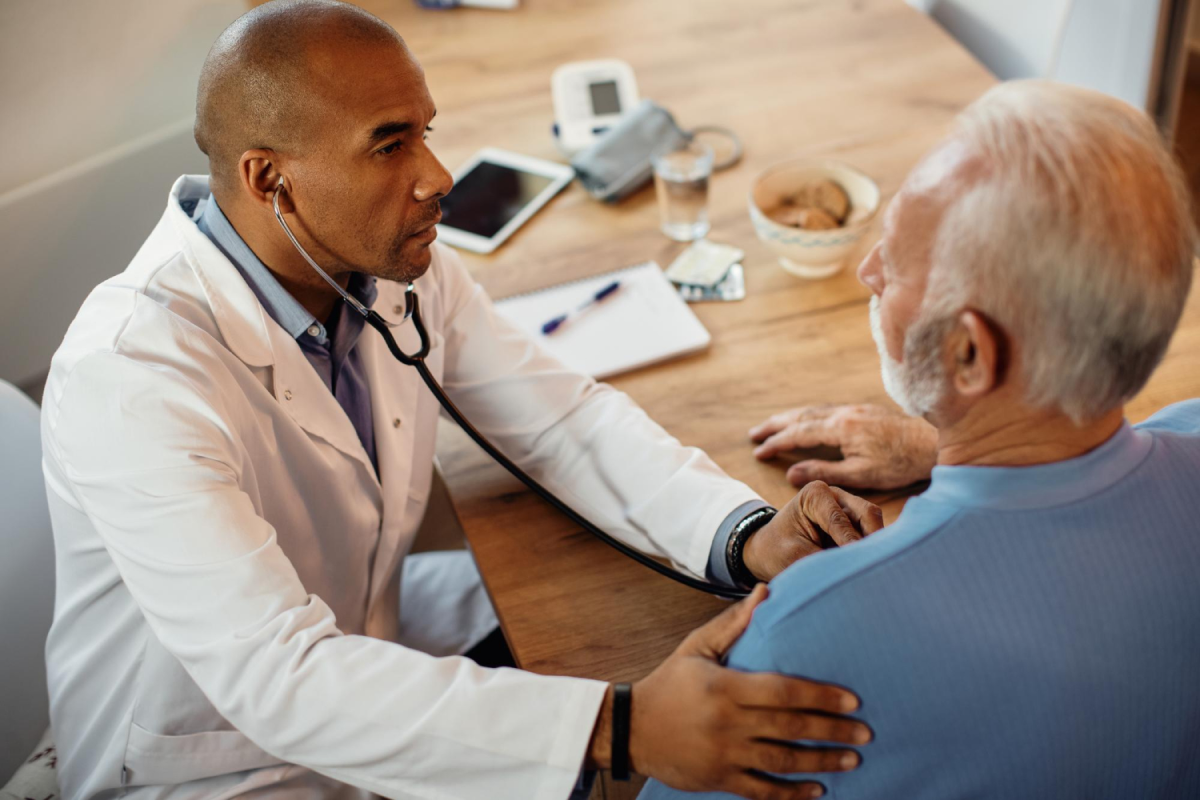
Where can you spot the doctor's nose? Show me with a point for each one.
(436, 181)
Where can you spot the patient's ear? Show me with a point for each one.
(976, 351)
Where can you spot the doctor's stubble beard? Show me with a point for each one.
(397, 268)
(918, 383)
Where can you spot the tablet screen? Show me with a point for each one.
(489, 196)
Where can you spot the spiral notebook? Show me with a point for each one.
(642, 323)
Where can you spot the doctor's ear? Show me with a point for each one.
(260, 178)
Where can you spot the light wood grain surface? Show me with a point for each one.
(870, 82)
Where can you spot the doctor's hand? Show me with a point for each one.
(698, 726)
(881, 448)
(817, 514)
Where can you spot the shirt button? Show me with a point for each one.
(313, 330)
(287, 394)
(396, 422)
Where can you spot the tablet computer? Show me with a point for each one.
(494, 193)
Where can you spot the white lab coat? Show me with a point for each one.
(228, 600)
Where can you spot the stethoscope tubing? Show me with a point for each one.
(417, 360)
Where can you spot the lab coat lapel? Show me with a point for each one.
(301, 392)
(395, 393)
(237, 312)
(258, 340)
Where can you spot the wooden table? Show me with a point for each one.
(870, 82)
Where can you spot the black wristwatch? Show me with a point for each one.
(735, 551)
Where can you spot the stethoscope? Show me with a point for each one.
(412, 310)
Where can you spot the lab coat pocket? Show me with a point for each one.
(153, 758)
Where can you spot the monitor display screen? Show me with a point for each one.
(605, 99)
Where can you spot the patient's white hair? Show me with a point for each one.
(1078, 243)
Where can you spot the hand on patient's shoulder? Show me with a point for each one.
(796, 531)
(881, 448)
(698, 726)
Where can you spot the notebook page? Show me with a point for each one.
(643, 322)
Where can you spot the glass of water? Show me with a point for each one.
(681, 179)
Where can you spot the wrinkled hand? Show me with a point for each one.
(795, 532)
(882, 448)
(698, 726)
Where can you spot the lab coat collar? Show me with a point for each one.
(259, 341)
(255, 338)
(238, 313)
(389, 304)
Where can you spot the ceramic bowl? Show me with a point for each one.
(805, 253)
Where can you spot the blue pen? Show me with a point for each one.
(554, 324)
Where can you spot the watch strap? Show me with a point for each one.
(621, 712)
(735, 553)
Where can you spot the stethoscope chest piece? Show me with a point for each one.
(412, 311)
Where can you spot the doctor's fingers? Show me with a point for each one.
(805, 433)
(867, 515)
(777, 422)
(763, 787)
(762, 723)
(785, 758)
(770, 691)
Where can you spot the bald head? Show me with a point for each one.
(261, 85)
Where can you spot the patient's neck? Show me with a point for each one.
(1013, 435)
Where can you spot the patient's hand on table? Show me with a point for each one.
(817, 514)
(881, 448)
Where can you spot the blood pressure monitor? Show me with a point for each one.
(589, 98)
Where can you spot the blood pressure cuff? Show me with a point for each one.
(619, 162)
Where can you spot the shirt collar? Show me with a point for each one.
(278, 302)
(1042, 485)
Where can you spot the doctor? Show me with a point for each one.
(236, 472)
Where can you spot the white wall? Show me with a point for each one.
(1106, 44)
(98, 104)
(79, 78)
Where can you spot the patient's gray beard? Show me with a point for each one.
(917, 384)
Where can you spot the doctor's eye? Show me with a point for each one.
(387, 150)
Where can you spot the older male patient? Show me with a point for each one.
(1030, 625)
